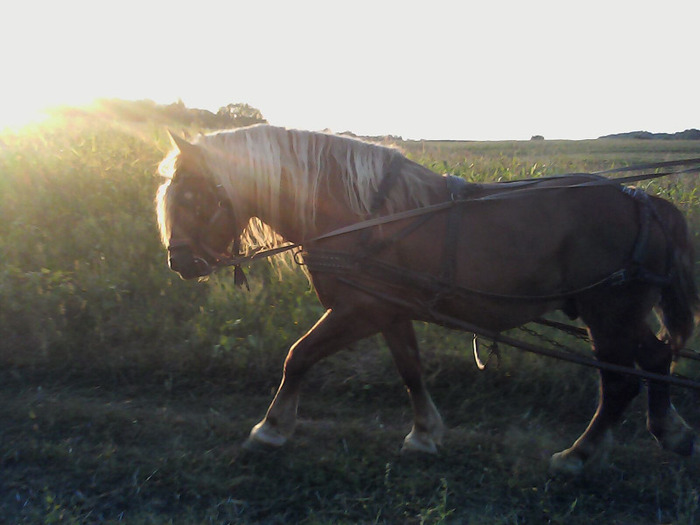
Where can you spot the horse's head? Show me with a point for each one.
(196, 220)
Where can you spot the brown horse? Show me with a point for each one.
(501, 255)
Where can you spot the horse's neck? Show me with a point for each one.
(332, 208)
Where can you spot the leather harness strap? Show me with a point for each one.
(459, 189)
(636, 269)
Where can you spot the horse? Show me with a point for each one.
(431, 247)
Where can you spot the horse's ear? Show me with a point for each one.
(190, 154)
(181, 144)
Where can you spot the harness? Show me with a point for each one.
(461, 192)
(636, 271)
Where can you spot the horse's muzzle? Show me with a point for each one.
(188, 265)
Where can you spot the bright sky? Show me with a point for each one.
(484, 70)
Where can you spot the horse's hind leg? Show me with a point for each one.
(427, 428)
(663, 421)
(616, 392)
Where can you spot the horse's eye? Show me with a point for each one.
(190, 201)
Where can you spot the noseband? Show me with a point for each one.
(219, 259)
(201, 264)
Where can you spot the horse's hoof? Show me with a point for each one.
(415, 443)
(583, 455)
(686, 446)
(566, 463)
(253, 445)
(682, 444)
(673, 434)
(263, 437)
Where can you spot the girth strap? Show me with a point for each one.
(457, 187)
(636, 269)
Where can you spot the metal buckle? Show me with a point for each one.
(619, 278)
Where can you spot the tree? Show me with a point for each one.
(238, 115)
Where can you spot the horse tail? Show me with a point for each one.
(679, 302)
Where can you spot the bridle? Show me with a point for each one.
(212, 259)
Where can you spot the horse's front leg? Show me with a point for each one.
(335, 330)
(427, 428)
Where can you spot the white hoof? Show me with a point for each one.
(265, 435)
(565, 463)
(573, 461)
(418, 442)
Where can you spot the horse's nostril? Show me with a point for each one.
(175, 265)
(182, 262)
(175, 262)
(189, 266)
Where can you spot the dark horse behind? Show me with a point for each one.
(493, 255)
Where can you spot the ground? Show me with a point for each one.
(142, 450)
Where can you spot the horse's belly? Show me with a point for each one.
(494, 315)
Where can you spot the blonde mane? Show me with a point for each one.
(251, 163)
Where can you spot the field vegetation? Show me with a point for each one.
(126, 393)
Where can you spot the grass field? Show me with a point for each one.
(126, 393)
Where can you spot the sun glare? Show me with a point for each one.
(21, 114)
(16, 116)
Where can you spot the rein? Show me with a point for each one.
(266, 252)
(497, 337)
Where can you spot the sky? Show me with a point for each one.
(461, 70)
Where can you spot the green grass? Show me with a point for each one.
(125, 393)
